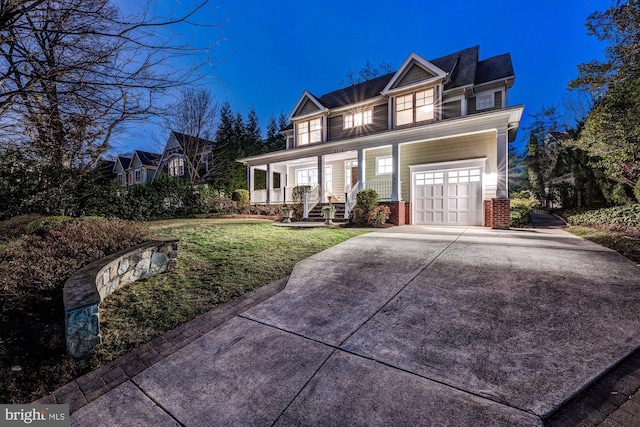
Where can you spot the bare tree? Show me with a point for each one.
(365, 73)
(193, 121)
(73, 71)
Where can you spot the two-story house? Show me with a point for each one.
(181, 149)
(431, 139)
(137, 169)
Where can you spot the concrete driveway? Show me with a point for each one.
(408, 326)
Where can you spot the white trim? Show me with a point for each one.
(453, 164)
(306, 94)
(489, 121)
(428, 66)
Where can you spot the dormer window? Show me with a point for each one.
(358, 119)
(415, 107)
(310, 131)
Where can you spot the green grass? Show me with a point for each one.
(628, 246)
(218, 261)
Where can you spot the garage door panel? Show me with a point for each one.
(455, 197)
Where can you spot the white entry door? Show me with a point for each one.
(448, 197)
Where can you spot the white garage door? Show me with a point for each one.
(448, 197)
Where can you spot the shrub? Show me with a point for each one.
(617, 217)
(298, 199)
(45, 261)
(520, 209)
(378, 216)
(14, 227)
(241, 197)
(367, 199)
(636, 191)
(42, 225)
(520, 195)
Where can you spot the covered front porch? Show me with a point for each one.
(332, 177)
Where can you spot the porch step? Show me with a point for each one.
(316, 212)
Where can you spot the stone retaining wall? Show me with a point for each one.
(84, 291)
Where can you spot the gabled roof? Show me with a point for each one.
(147, 158)
(182, 139)
(307, 104)
(124, 161)
(463, 69)
(414, 70)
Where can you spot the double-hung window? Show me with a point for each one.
(415, 107)
(310, 131)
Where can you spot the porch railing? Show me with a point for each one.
(310, 201)
(350, 199)
(383, 188)
(259, 196)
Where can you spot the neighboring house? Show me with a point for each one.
(430, 138)
(137, 169)
(177, 151)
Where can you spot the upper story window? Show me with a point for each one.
(358, 119)
(415, 107)
(176, 166)
(310, 131)
(484, 101)
(138, 176)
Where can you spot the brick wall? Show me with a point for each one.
(496, 213)
(400, 212)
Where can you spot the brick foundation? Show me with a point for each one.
(496, 213)
(400, 212)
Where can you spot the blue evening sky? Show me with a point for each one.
(274, 50)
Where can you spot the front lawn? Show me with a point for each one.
(625, 244)
(218, 261)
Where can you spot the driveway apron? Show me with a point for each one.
(408, 326)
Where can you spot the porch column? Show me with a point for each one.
(395, 173)
(360, 166)
(269, 183)
(321, 179)
(250, 176)
(502, 189)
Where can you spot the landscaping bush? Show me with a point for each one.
(636, 191)
(298, 199)
(520, 209)
(14, 227)
(42, 225)
(242, 198)
(626, 218)
(378, 216)
(46, 260)
(366, 201)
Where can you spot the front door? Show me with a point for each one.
(354, 175)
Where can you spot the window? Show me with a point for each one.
(121, 178)
(415, 107)
(384, 165)
(310, 132)
(138, 176)
(429, 178)
(309, 176)
(176, 167)
(484, 101)
(358, 119)
(464, 176)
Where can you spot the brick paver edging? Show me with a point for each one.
(612, 400)
(94, 384)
